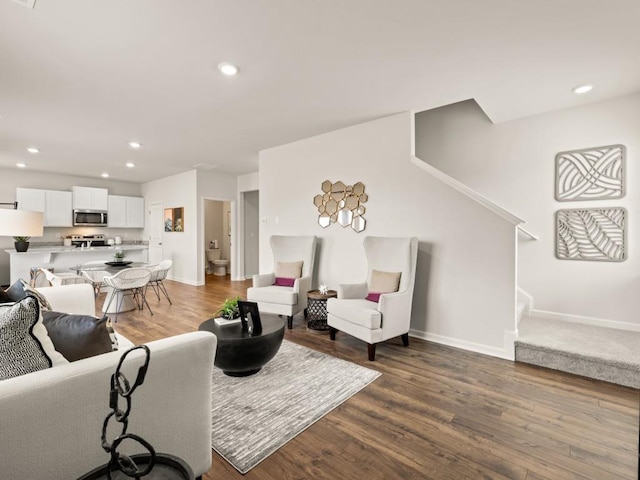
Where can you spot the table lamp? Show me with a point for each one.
(21, 225)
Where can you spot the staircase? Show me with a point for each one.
(601, 353)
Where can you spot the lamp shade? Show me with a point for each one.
(21, 223)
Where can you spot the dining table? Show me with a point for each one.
(122, 303)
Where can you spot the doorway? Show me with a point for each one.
(217, 237)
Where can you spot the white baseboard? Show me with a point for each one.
(507, 353)
(523, 294)
(593, 321)
(185, 281)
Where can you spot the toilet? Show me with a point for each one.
(219, 266)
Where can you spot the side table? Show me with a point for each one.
(317, 309)
(241, 353)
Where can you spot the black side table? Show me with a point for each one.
(317, 309)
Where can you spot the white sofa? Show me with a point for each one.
(51, 420)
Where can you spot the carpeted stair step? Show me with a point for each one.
(602, 353)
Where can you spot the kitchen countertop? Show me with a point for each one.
(62, 249)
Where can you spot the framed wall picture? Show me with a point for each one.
(597, 234)
(591, 174)
(178, 219)
(168, 219)
(174, 219)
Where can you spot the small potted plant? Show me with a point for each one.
(229, 309)
(21, 243)
(118, 257)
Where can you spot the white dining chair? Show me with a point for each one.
(63, 278)
(96, 277)
(128, 282)
(158, 274)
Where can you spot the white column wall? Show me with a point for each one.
(513, 163)
(178, 191)
(465, 284)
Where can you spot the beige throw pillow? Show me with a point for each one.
(384, 282)
(289, 269)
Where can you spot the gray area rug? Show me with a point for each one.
(596, 352)
(254, 416)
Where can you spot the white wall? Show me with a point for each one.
(13, 178)
(251, 244)
(173, 192)
(513, 164)
(225, 245)
(245, 183)
(465, 284)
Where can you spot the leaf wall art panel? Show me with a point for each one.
(591, 174)
(598, 234)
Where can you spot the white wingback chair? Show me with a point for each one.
(390, 317)
(284, 300)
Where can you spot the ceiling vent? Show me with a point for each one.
(26, 3)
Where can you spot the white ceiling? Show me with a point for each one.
(79, 79)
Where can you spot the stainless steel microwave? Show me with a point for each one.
(89, 218)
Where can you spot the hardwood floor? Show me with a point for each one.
(435, 412)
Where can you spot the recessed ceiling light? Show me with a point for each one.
(104, 175)
(228, 69)
(130, 164)
(33, 150)
(580, 89)
(21, 165)
(135, 145)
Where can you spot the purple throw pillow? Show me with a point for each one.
(373, 297)
(284, 282)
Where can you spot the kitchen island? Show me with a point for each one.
(62, 259)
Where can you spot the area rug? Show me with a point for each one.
(256, 415)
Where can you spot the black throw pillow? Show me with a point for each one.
(4, 298)
(79, 336)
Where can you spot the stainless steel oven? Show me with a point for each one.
(89, 218)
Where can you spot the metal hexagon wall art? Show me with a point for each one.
(342, 204)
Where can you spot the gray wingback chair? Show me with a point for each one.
(285, 300)
(390, 317)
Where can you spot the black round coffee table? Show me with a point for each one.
(241, 353)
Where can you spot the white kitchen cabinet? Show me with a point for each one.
(117, 211)
(126, 212)
(58, 209)
(135, 212)
(31, 199)
(56, 205)
(90, 198)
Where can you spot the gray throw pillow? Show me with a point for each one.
(16, 291)
(79, 336)
(21, 351)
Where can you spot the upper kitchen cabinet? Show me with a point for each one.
(55, 205)
(126, 212)
(58, 209)
(31, 199)
(90, 198)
